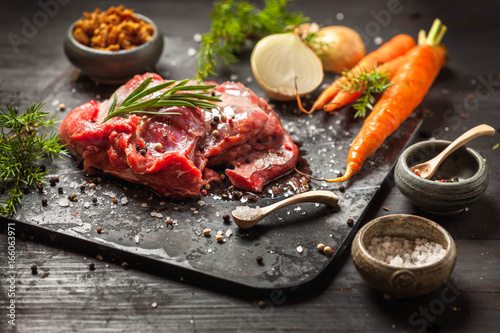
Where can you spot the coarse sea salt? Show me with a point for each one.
(401, 252)
(247, 213)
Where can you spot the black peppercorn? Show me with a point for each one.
(213, 124)
(201, 148)
(94, 200)
(350, 222)
(26, 189)
(34, 269)
(226, 218)
(44, 202)
(60, 190)
(248, 160)
(216, 119)
(52, 182)
(92, 266)
(82, 188)
(259, 260)
(342, 188)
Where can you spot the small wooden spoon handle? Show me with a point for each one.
(325, 197)
(473, 133)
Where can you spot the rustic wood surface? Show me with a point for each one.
(66, 296)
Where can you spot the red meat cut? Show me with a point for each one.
(173, 154)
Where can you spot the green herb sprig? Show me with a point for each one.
(369, 83)
(23, 149)
(133, 103)
(236, 22)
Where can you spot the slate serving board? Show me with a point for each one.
(134, 228)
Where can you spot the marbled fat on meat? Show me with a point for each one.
(181, 149)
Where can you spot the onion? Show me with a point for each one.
(279, 60)
(338, 47)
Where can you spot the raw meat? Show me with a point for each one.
(173, 154)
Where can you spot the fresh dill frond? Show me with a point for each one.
(23, 149)
(234, 23)
(369, 83)
(133, 103)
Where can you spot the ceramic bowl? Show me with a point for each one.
(114, 67)
(442, 197)
(397, 281)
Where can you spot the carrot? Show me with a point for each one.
(410, 85)
(394, 48)
(345, 97)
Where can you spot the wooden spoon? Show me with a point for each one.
(249, 217)
(427, 169)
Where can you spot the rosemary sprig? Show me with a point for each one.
(369, 83)
(134, 103)
(23, 148)
(235, 22)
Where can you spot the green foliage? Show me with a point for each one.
(369, 83)
(172, 97)
(23, 148)
(236, 22)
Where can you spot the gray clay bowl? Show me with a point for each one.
(114, 67)
(397, 281)
(437, 197)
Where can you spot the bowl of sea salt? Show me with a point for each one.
(404, 255)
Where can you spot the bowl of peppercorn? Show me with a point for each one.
(460, 180)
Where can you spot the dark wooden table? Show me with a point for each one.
(66, 296)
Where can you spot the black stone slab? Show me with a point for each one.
(134, 228)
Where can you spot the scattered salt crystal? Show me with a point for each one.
(378, 40)
(234, 77)
(86, 205)
(137, 237)
(64, 202)
(401, 252)
(300, 249)
(154, 304)
(229, 232)
(124, 200)
(247, 213)
(191, 51)
(144, 205)
(340, 16)
(197, 37)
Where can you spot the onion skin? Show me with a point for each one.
(339, 48)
